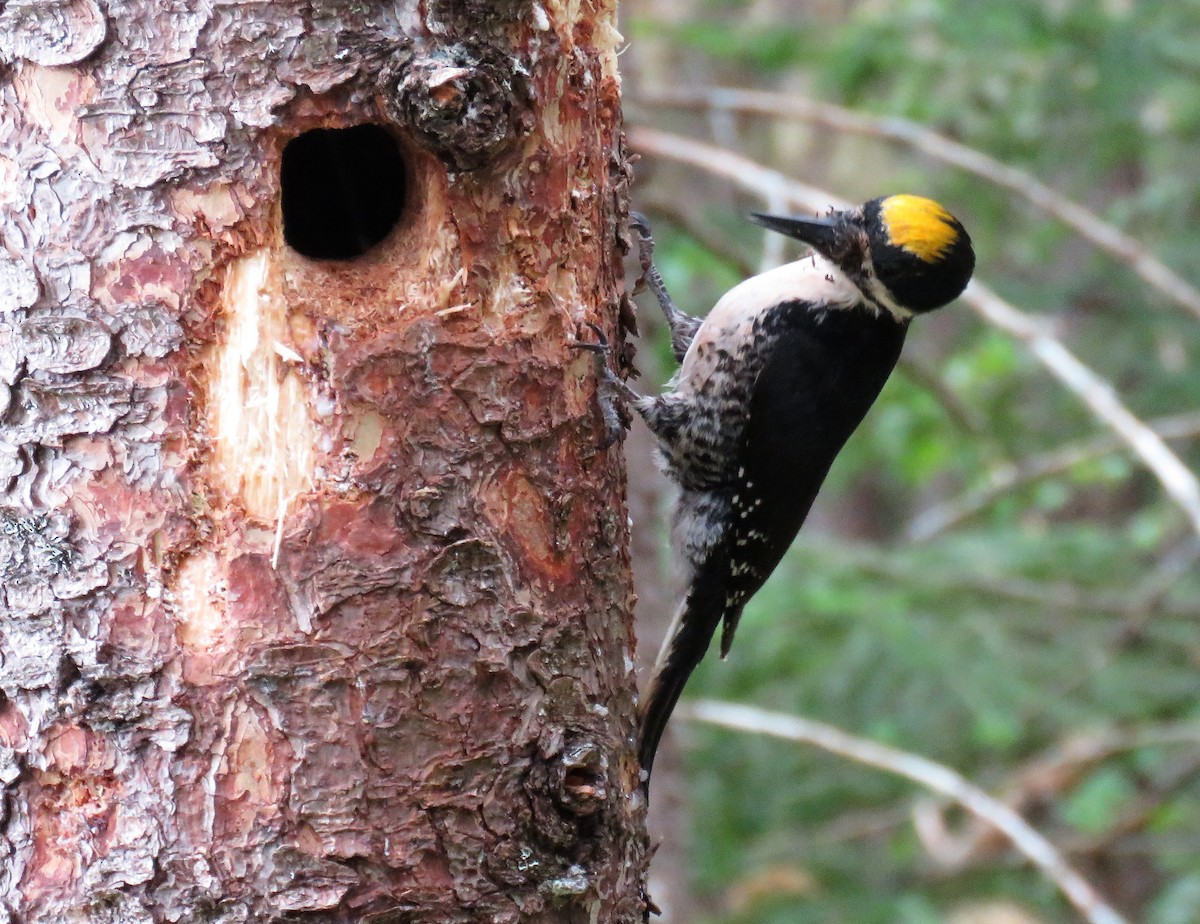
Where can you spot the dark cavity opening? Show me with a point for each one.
(343, 190)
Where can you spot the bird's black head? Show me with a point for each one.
(906, 250)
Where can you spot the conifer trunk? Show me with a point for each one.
(316, 600)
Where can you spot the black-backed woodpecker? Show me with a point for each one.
(771, 385)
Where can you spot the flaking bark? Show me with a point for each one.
(315, 599)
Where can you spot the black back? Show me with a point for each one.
(820, 375)
(821, 378)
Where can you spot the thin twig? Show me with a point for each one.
(1085, 222)
(1040, 781)
(1144, 808)
(704, 233)
(933, 776)
(963, 415)
(1096, 394)
(1004, 479)
(1099, 396)
(1150, 596)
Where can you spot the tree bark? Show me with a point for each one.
(315, 592)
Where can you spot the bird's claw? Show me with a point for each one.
(600, 347)
(599, 350)
(610, 390)
(639, 224)
(683, 326)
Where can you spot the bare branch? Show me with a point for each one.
(1085, 222)
(1043, 780)
(1149, 597)
(1179, 775)
(750, 175)
(704, 233)
(933, 776)
(1099, 397)
(938, 518)
(964, 416)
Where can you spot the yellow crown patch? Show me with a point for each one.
(919, 225)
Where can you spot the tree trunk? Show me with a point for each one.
(316, 601)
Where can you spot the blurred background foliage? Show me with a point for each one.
(989, 577)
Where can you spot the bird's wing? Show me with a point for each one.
(818, 377)
(818, 381)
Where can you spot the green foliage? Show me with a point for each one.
(769, 48)
(1059, 605)
(1179, 903)
(1096, 804)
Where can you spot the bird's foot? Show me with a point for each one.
(683, 326)
(611, 391)
(639, 224)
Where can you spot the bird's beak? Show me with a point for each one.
(826, 235)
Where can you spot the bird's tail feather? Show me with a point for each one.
(690, 633)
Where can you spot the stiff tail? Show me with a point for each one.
(691, 631)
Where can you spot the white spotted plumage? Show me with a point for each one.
(700, 419)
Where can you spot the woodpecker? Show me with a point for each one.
(770, 386)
